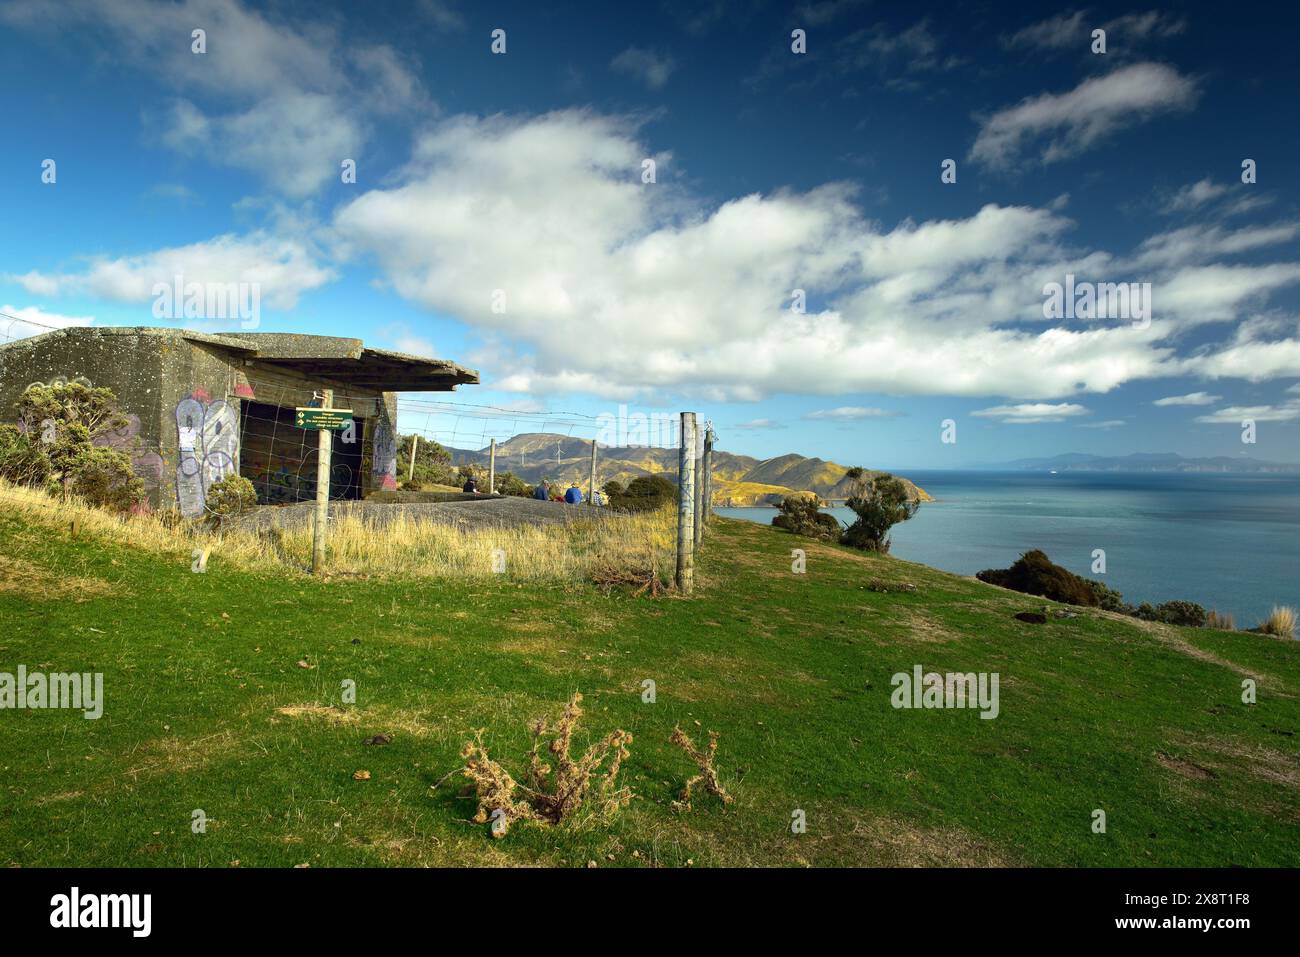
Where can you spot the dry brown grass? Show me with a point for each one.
(1188, 769)
(1280, 623)
(331, 714)
(1263, 762)
(406, 547)
(893, 843)
(1219, 620)
(34, 582)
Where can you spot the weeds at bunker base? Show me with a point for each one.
(945, 691)
(72, 910)
(37, 691)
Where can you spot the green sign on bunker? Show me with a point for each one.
(313, 418)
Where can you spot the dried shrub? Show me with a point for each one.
(640, 576)
(708, 775)
(557, 794)
(550, 794)
(1280, 622)
(1224, 622)
(494, 788)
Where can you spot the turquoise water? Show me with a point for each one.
(1230, 542)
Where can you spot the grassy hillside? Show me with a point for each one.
(223, 694)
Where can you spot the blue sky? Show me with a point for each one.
(500, 215)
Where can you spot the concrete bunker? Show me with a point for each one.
(203, 406)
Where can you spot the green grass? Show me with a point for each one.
(1144, 722)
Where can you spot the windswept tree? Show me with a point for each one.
(432, 462)
(645, 493)
(64, 422)
(801, 514)
(880, 503)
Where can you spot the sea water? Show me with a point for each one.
(1226, 541)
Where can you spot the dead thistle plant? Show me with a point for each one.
(550, 795)
(494, 788)
(708, 775)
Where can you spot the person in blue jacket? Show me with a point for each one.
(542, 493)
(574, 495)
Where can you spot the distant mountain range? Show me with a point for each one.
(737, 479)
(1141, 462)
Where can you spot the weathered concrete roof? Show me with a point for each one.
(331, 357)
(229, 341)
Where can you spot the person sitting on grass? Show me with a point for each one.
(574, 495)
(542, 493)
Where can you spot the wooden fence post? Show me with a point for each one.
(708, 473)
(685, 577)
(492, 468)
(325, 447)
(591, 482)
(415, 444)
(697, 505)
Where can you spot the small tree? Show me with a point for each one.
(510, 484)
(880, 504)
(802, 515)
(432, 462)
(104, 477)
(66, 420)
(645, 493)
(1033, 573)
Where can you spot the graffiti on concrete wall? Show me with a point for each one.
(290, 480)
(383, 461)
(208, 437)
(277, 482)
(145, 462)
